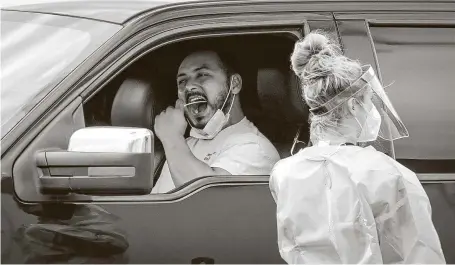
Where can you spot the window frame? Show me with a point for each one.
(99, 73)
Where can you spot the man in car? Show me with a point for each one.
(222, 140)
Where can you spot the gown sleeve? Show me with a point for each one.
(402, 213)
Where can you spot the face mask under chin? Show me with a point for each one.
(195, 122)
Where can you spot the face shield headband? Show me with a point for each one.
(392, 127)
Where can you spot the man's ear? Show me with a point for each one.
(236, 83)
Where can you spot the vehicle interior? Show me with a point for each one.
(270, 95)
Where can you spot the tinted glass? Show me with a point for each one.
(38, 51)
(418, 63)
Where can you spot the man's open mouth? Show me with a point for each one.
(196, 103)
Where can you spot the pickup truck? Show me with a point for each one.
(74, 70)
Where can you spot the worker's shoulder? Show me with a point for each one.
(295, 163)
(372, 163)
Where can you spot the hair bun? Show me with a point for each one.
(322, 68)
(313, 45)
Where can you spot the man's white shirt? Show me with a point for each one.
(240, 149)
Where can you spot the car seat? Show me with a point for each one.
(135, 105)
(284, 114)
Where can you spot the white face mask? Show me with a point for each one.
(216, 122)
(371, 126)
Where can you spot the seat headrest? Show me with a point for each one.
(134, 104)
(280, 96)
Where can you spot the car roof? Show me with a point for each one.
(120, 11)
(113, 11)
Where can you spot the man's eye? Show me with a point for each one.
(181, 82)
(203, 74)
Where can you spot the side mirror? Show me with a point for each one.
(100, 161)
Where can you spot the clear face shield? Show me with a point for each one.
(388, 125)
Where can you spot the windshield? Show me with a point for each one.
(37, 52)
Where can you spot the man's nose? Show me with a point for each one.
(191, 86)
(184, 90)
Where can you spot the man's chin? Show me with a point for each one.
(198, 124)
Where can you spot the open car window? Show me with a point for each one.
(261, 77)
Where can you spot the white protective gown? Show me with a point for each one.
(348, 204)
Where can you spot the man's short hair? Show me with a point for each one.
(227, 58)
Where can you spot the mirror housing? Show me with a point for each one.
(100, 161)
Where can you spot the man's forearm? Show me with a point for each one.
(183, 165)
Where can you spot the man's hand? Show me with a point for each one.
(170, 127)
(171, 124)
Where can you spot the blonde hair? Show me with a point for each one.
(324, 72)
